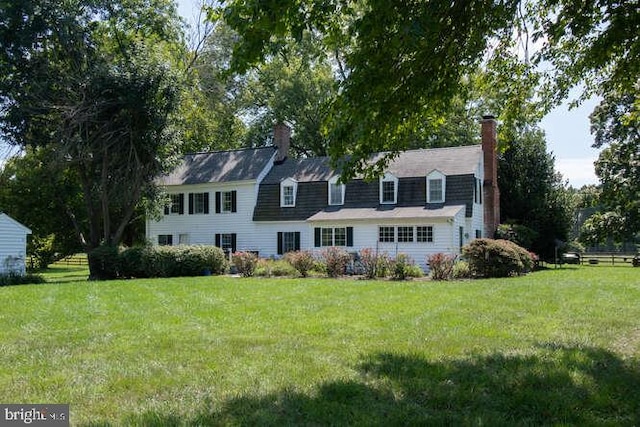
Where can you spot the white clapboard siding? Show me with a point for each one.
(13, 245)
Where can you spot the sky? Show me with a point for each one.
(567, 130)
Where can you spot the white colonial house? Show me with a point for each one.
(428, 201)
(13, 245)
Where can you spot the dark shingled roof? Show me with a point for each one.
(450, 161)
(220, 166)
(414, 163)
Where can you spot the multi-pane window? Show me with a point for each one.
(227, 201)
(327, 237)
(435, 190)
(386, 234)
(388, 191)
(336, 192)
(405, 234)
(424, 233)
(165, 239)
(288, 242)
(176, 203)
(183, 239)
(288, 195)
(199, 203)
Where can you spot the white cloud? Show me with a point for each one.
(579, 171)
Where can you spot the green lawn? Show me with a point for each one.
(557, 347)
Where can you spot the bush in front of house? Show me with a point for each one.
(335, 260)
(104, 262)
(497, 258)
(245, 263)
(374, 264)
(171, 261)
(302, 261)
(441, 266)
(403, 267)
(12, 279)
(274, 268)
(461, 270)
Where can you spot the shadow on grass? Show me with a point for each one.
(557, 385)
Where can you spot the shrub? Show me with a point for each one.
(13, 279)
(133, 262)
(461, 270)
(276, 268)
(374, 264)
(245, 262)
(403, 267)
(335, 260)
(104, 262)
(518, 234)
(302, 261)
(441, 266)
(497, 258)
(171, 261)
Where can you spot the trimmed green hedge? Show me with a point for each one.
(497, 258)
(158, 261)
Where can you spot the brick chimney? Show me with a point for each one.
(281, 140)
(491, 191)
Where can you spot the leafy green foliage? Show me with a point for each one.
(403, 267)
(245, 263)
(13, 279)
(97, 84)
(335, 260)
(497, 258)
(171, 261)
(441, 266)
(302, 261)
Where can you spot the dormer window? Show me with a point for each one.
(336, 191)
(436, 183)
(288, 189)
(388, 189)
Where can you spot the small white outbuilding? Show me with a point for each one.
(13, 245)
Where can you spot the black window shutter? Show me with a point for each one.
(206, 202)
(233, 242)
(316, 237)
(349, 236)
(170, 239)
(218, 240)
(280, 242)
(296, 241)
(218, 202)
(181, 203)
(234, 199)
(166, 209)
(190, 203)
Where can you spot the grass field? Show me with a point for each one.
(557, 347)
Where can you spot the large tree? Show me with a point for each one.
(402, 63)
(94, 82)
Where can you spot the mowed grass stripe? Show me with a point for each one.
(223, 350)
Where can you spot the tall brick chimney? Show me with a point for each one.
(491, 191)
(281, 140)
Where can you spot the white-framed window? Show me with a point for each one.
(424, 233)
(336, 191)
(198, 203)
(183, 239)
(177, 203)
(288, 189)
(333, 236)
(227, 201)
(386, 234)
(388, 189)
(436, 183)
(405, 234)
